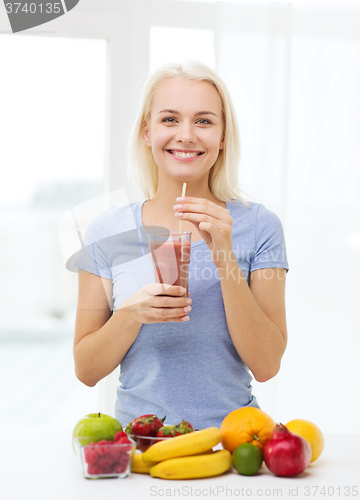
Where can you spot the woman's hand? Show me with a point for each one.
(154, 304)
(213, 222)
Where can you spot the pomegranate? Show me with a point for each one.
(286, 454)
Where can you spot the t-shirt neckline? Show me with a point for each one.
(140, 223)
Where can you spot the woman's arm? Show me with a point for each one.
(101, 338)
(256, 317)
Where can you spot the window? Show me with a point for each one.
(178, 44)
(52, 94)
(52, 129)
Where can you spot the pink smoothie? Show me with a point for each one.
(172, 262)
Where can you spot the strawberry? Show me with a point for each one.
(142, 444)
(123, 440)
(126, 446)
(186, 426)
(119, 435)
(146, 425)
(128, 429)
(175, 430)
(169, 431)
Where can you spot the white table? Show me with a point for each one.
(39, 464)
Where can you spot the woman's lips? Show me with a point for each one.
(179, 158)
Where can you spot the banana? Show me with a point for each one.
(140, 466)
(193, 467)
(207, 452)
(181, 446)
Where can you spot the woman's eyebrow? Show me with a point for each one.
(196, 114)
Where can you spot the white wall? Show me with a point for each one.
(293, 73)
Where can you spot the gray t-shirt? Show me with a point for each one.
(187, 370)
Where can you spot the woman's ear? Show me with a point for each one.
(146, 135)
(222, 143)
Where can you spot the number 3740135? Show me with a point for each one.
(330, 491)
(32, 8)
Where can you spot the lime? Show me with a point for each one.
(247, 459)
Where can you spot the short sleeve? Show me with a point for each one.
(270, 248)
(93, 256)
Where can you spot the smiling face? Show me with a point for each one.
(185, 132)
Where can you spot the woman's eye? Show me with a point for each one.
(205, 122)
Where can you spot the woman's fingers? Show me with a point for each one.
(166, 305)
(163, 289)
(203, 207)
(197, 218)
(164, 314)
(163, 303)
(211, 220)
(168, 301)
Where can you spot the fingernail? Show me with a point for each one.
(182, 290)
(185, 318)
(181, 198)
(179, 214)
(187, 309)
(177, 206)
(188, 301)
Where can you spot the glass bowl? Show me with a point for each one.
(104, 458)
(144, 442)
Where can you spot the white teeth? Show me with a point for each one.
(184, 155)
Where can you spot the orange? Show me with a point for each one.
(246, 425)
(311, 433)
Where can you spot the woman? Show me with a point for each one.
(185, 361)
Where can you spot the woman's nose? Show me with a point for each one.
(185, 133)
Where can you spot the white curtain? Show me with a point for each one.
(293, 71)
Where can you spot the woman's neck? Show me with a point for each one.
(159, 210)
(165, 197)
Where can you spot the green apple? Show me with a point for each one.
(95, 427)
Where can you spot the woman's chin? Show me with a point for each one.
(180, 174)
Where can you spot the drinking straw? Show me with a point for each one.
(182, 194)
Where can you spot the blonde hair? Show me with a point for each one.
(223, 176)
